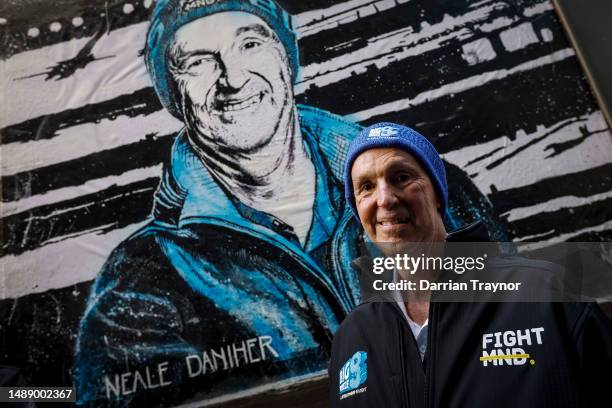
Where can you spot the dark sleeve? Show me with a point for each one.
(127, 327)
(334, 368)
(593, 339)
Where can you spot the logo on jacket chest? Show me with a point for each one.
(352, 374)
(511, 347)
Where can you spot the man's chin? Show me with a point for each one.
(240, 136)
(394, 234)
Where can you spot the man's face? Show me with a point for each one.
(395, 198)
(233, 77)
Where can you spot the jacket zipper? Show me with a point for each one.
(430, 356)
(429, 364)
(402, 356)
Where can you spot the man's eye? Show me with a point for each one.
(402, 178)
(196, 65)
(251, 44)
(365, 187)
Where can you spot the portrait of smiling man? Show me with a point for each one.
(243, 273)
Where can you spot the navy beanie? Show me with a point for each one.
(170, 15)
(388, 134)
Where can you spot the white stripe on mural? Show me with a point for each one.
(56, 266)
(555, 204)
(99, 81)
(532, 164)
(90, 187)
(606, 226)
(85, 139)
(538, 9)
(459, 86)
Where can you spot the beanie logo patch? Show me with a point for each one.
(192, 4)
(383, 131)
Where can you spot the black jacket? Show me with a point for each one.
(569, 363)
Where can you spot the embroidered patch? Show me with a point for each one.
(354, 372)
(508, 347)
(383, 131)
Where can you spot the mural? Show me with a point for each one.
(173, 222)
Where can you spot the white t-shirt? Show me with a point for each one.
(419, 332)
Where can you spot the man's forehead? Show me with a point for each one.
(381, 159)
(218, 29)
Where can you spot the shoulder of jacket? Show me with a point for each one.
(367, 314)
(180, 144)
(331, 133)
(326, 121)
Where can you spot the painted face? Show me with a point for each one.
(234, 79)
(395, 198)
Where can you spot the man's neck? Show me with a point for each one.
(278, 178)
(418, 311)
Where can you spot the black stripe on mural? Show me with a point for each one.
(523, 101)
(575, 218)
(106, 210)
(43, 321)
(141, 102)
(583, 184)
(145, 153)
(430, 70)
(346, 96)
(91, 17)
(411, 76)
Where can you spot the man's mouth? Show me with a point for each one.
(390, 222)
(236, 104)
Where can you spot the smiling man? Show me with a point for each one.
(413, 214)
(417, 352)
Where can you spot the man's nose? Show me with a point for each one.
(386, 196)
(233, 74)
